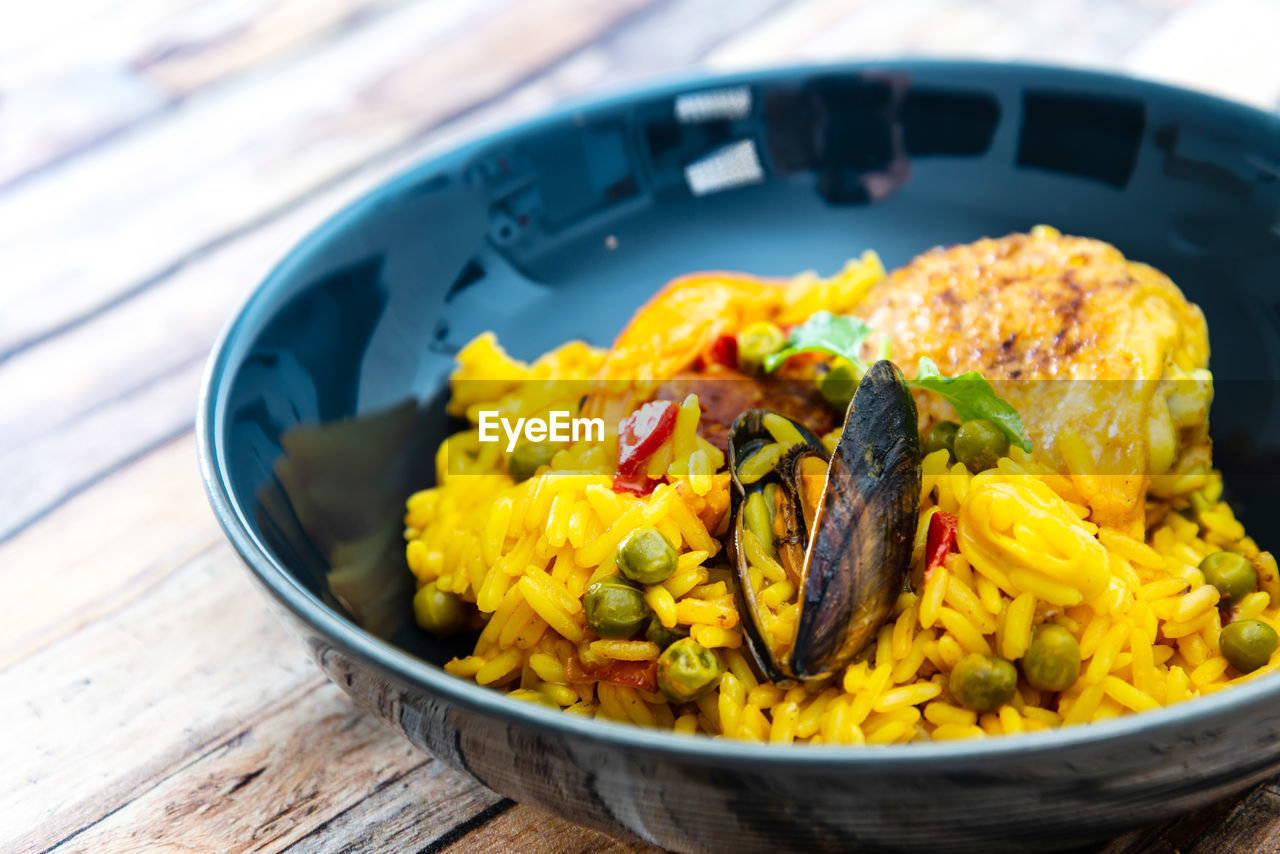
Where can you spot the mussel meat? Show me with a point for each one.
(839, 528)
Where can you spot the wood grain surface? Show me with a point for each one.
(156, 158)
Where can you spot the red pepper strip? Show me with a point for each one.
(642, 432)
(723, 351)
(636, 484)
(637, 674)
(942, 538)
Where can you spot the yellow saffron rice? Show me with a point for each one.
(524, 553)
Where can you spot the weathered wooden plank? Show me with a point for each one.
(115, 386)
(1249, 822)
(1172, 836)
(100, 550)
(133, 345)
(875, 30)
(39, 475)
(1226, 47)
(67, 74)
(48, 41)
(664, 41)
(77, 73)
(131, 210)
(45, 121)
(182, 62)
(277, 783)
(95, 720)
(1073, 32)
(1254, 825)
(415, 812)
(1079, 32)
(782, 35)
(534, 832)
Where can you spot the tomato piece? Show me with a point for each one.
(723, 351)
(573, 671)
(642, 432)
(941, 540)
(637, 674)
(636, 484)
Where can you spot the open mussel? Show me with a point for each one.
(835, 530)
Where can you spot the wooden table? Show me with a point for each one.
(156, 158)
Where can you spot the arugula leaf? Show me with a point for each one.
(973, 397)
(825, 332)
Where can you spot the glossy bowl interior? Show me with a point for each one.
(323, 406)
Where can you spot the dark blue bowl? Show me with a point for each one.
(324, 399)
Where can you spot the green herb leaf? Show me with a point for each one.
(843, 336)
(825, 332)
(973, 397)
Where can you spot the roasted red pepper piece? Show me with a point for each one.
(636, 484)
(723, 351)
(942, 538)
(642, 432)
(637, 674)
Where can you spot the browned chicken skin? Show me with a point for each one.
(1041, 308)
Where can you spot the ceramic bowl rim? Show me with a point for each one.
(408, 669)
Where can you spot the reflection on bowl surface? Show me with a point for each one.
(325, 404)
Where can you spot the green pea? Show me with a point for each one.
(1231, 573)
(1052, 661)
(942, 435)
(838, 385)
(983, 683)
(661, 635)
(1247, 644)
(438, 612)
(527, 457)
(687, 670)
(757, 341)
(980, 444)
(615, 609)
(646, 556)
